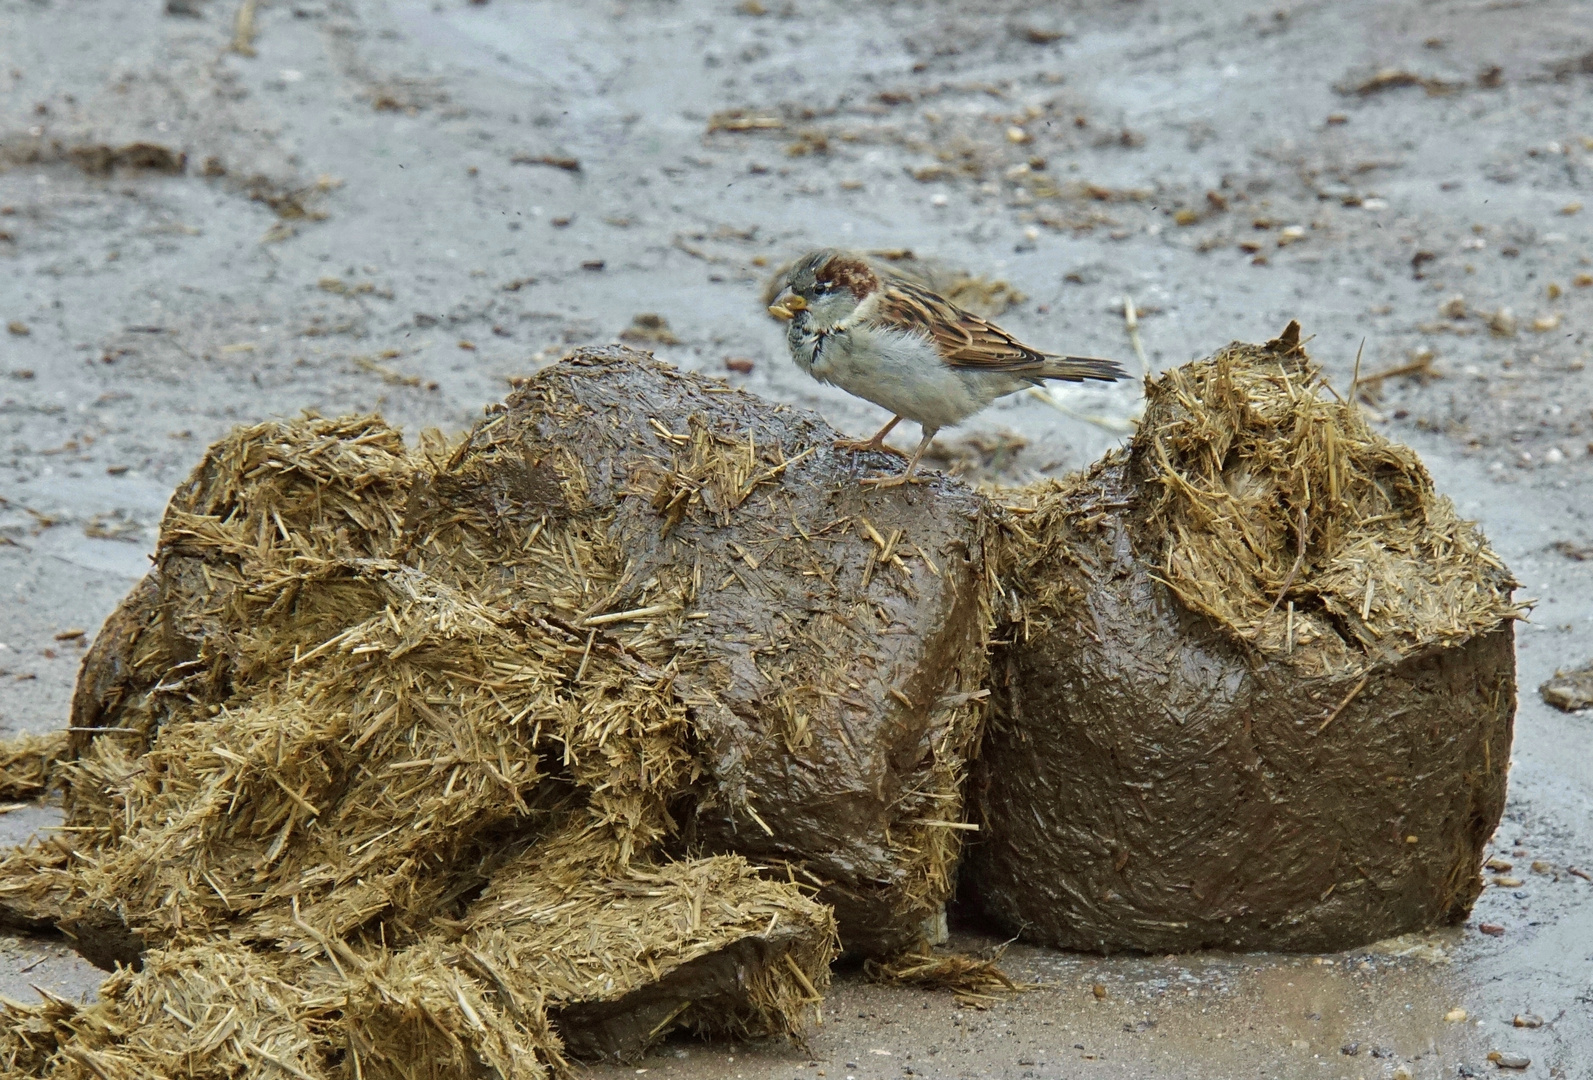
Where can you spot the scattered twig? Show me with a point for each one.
(1334, 715)
(1395, 79)
(1423, 366)
(281, 1063)
(626, 616)
(243, 29)
(586, 655)
(1578, 552)
(568, 164)
(1131, 323)
(1106, 423)
(964, 826)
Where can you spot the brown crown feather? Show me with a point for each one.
(850, 274)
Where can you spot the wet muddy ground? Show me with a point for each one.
(403, 205)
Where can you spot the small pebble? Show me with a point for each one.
(1502, 322)
(1509, 1061)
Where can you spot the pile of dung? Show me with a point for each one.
(827, 639)
(1270, 498)
(445, 760)
(1259, 686)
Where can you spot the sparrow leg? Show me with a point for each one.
(907, 474)
(876, 443)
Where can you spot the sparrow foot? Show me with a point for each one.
(864, 445)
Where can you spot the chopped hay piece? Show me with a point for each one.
(1261, 687)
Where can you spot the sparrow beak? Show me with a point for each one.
(786, 305)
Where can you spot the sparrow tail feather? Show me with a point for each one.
(1079, 368)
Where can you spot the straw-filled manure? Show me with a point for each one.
(448, 760)
(1260, 683)
(28, 762)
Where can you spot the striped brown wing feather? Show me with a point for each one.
(964, 339)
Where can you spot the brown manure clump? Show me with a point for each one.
(449, 760)
(1257, 683)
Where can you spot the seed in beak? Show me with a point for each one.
(784, 314)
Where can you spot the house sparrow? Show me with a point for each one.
(891, 341)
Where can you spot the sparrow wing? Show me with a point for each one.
(964, 340)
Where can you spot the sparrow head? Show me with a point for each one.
(823, 288)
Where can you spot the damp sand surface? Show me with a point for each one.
(401, 206)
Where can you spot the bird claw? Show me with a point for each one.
(864, 445)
